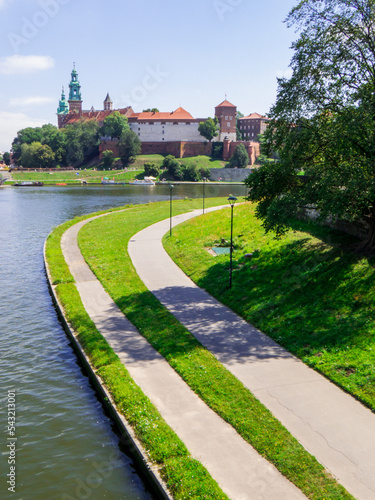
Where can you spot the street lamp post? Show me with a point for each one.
(171, 186)
(232, 200)
(204, 186)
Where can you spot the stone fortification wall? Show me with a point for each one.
(229, 174)
(167, 131)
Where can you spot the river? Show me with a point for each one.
(66, 447)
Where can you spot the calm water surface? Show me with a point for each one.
(66, 445)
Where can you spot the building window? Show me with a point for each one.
(175, 123)
(228, 124)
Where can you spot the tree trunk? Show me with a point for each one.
(367, 246)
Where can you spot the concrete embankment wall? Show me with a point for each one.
(128, 437)
(229, 174)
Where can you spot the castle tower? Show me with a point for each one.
(63, 108)
(75, 99)
(226, 113)
(108, 104)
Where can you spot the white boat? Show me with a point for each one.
(147, 181)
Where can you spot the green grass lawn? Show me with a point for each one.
(136, 171)
(71, 177)
(303, 290)
(104, 246)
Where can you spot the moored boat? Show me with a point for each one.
(29, 183)
(147, 181)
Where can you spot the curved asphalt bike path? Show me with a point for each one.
(338, 430)
(238, 469)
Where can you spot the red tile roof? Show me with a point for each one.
(226, 104)
(253, 116)
(178, 114)
(99, 116)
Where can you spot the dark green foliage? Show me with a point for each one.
(209, 128)
(240, 158)
(173, 167)
(114, 125)
(129, 146)
(217, 150)
(151, 170)
(323, 122)
(108, 159)
(6, 158)
(36, 155)
(70, 146)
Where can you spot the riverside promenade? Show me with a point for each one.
(238, 469)
(334, 427)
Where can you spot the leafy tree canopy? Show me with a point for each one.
(37, 155)
(108, 159)
(129, 146)
(6, 158)
(323, 121)
(114, 125)
(209, 128)
(151, 110)
(151, 169)
(240, 158)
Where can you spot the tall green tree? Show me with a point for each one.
(114, 125)
(240, 158)
(129, 146)
(82, 141)
(323, 121)
(209, 128)
(37, 155)
(108, 159)
(6, 158)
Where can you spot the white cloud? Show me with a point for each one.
(17, 64)
(31, 101)
(11, 123)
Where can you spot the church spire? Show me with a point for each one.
(63, 105)
(108, 104)
(75, 99)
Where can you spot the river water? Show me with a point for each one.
(66, 447)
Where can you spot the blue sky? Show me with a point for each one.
(160, 53)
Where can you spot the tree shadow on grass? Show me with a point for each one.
(308, 297)
(196, 319)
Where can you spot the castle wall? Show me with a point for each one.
(179, 149)
(167, 131)
(252, 148)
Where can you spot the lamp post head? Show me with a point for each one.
(171, 186)
(232, 200)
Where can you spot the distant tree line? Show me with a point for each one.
(74, 145)
(172, 169)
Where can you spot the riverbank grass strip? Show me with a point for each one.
(184, 476)
(104, 243)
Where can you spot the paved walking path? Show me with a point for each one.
(239, 470)
(333, 426)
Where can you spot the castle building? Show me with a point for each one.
(252, 125)
(173, 132)
(226, 113)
